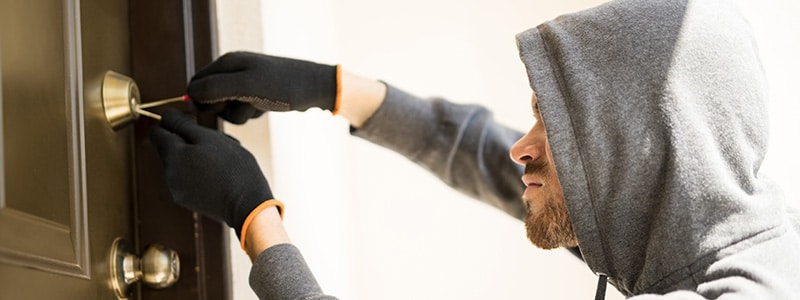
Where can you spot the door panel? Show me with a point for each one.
(43, 172)
(66, 176)
(69, 184)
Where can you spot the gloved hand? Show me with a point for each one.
(208, 171)
(242, 85)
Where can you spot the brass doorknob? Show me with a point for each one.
(158, 268)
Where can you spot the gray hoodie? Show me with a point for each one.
(655, 113)
(656, 116)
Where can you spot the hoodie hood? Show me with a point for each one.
(656, 116)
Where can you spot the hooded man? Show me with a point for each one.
(644, 156)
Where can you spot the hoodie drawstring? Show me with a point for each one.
(602, 281)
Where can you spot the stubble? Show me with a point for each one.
(549, 226)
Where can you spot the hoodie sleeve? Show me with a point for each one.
(281, 273)
(461, 144)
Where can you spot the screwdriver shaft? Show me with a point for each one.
(162, 102)
(147, 113)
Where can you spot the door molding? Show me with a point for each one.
(68, 251)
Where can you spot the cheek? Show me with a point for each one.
(554, 189)
(550, 161)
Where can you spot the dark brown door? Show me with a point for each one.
(71, 185)
(169, 41)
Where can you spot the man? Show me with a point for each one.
(650, 131)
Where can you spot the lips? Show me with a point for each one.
(532, 194)
(531, 181)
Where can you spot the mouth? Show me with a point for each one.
(532, 190)
(531, 181)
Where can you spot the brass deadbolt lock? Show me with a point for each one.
(122, 100)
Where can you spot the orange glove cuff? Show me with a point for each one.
(264, 205)
(338, 101)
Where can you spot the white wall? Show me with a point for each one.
(239, 28)
(374, 226)
(777, 26)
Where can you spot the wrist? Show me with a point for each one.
(358, 97)
(264, 229)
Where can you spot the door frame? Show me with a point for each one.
(169, 41)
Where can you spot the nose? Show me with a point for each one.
(529, 147)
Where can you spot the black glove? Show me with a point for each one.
(208, 171)
(242, 85)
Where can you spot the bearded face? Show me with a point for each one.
(547, 223)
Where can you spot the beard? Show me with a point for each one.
(549, 227)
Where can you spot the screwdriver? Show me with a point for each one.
(140, 108)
